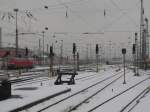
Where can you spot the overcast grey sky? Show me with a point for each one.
(73, 17)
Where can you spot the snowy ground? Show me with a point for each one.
(28, 92)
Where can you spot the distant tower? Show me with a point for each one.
(0, 37)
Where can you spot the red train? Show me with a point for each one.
(18, 63)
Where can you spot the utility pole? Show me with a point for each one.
(110, 49)
(74, 58)
(141, 33)
(78, 66)
(51, 61)
(100, 54)
(43, 44)
(147, 42)
(61, 53)
(91, 58)
(97, 53)
(87, 53)
(0, 37)
(47, 52)
(47, 48)
(124, 52)
(16, 11)
(40, 51)
(136, 56)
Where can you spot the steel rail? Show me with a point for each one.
(137, 98)
(49, 106)
(76, 106)
(106, 101)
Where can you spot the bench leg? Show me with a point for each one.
(58, 80)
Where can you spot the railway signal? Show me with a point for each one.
(26, 51)
(74, 48)
(97, 52)
(124, 52)
(78, 67)
(134, 57)
(74, 52)
(51, 61)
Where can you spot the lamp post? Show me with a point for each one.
(16, 11)
(43, 35)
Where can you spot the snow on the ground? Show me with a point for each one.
(118, 103)
(143, 105)
(75, 88)
(27, 94)
(31, 91)
(115, 105)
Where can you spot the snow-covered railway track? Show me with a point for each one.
(35, 80)
(25, 79)
(117, 95)
(53, 102)
(85, 100)
(75, 95)
(134, 102)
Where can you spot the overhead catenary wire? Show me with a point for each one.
(118, 7)
(78, 15)
(123, 14)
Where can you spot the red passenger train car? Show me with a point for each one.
(19, 63)
(10, 61)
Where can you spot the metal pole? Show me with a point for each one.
(124, 82)
(43, 45)
(91, 58)
(16, 11)
(47, 53)
(134, 58)
(74, 61)
(51, 61)
(47, 48)
(97, 53)
(146, 44)
(61, 53)
(141, 35)
(137, 53)
(97, 62)
(0, 37)
(74, 52)
(40, 51)
(78, 68)
(87, 53)
(110, 49)
(124, 52)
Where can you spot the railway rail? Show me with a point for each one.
(135, 101)
(85, 100)
(66, 97)
(106, 101)
(77, 93)
(25, 79)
